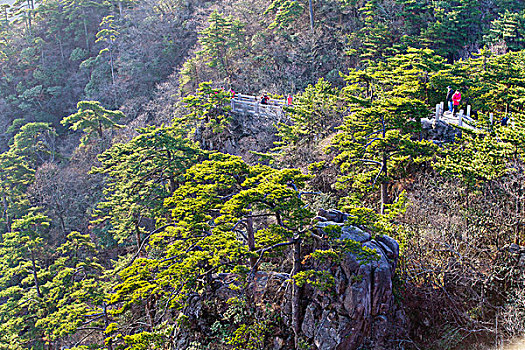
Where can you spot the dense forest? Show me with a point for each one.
(138, 211)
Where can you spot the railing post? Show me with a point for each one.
(468, 111)
(437, 112)
(233, 105)
(442, 106)
(460, 121)
(491, 118)
(256, 108)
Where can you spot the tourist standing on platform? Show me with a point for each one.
(456, 99)
(290, 100)
(450, 93)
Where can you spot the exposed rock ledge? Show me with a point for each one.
(438, 131)
(361, 314)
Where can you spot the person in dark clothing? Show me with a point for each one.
(504, 121)
(264, 99)
(450, 93)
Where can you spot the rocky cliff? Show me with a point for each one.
(438, 131)
(358, 313)
(362, 311)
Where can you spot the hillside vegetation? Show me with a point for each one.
(129, 189)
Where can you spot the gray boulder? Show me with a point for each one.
(362, 312)
(438, 131)
(347, 232)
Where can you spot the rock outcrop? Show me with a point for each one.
(438, 131)
(248, 134)
(359, 313)
(362, 311)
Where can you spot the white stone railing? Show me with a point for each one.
(460, 119)
(251, 105)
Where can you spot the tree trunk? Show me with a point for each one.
(111, 63)
(62, 223)
(384, 185)
(35, 276)
(137, 235)
(384, 196)
(99, 129)
(518, 216)
(86, 30)
(61, 49)
(172, 185)
(29, 9)
(251, 242)
(310, 6)
(6, 216)
(150, 311)
(296, 290)
(106, 323)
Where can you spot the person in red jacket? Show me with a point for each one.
(456, 99)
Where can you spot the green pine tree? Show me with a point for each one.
(378, 144)
(223, 37)
(140, 175)
(93, 120)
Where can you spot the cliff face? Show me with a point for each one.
(362, 311)
(358, 313)
(438, 131)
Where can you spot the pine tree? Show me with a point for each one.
(377, 144)
(513, 144)
(221, 222)
(454, 25)
(32, 145)
(92, 119)
(287, 12)
(108, 33)
(140, 175)
(474, 159)
(21, 277)
(35, 142)
(416, 17)
(4, 9)
(314, 113)
(222, 38)
(508, 28)
(74, 292)
(24, 11)
(207, 114)
(413, 74)
(16, 174)
(78, 13)
(418, 73)
(380, 36)
(505, 83)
